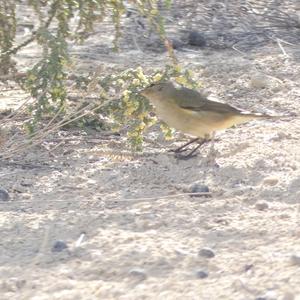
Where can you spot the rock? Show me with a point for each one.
(195, 38)
(4, 196)
(201, 274)
(295, 259)
(198, 188)
(261, 205)
(59, 246)
(271, 181)
(248, 267)
(206, 252)
(138, 273)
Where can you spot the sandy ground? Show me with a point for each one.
(86, 221)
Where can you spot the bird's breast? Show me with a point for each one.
(186, 121)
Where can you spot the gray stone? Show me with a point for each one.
(261, 205)
(196, 39)
(4, 196)
(206, 252)
(201, 274)
(59, 246)
(198, 188)
(295, 259)
(138, 273)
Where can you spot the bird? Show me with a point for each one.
(190, 112)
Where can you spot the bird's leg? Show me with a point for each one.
(191, 153)
(182, 148)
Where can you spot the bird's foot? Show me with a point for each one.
(178, 150)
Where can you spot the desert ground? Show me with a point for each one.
(88, 219)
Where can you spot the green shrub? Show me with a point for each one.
(46, 81)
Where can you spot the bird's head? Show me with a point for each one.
(157, 90)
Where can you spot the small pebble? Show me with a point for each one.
(196, 39)
(59, 246)
(198, 188)
(201, 274)
(4, 196)
(295, 259)
(206, 252)
(248, 267)
(262, 205)
(138, 273)
(271, 181)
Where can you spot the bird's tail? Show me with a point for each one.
(249, 116)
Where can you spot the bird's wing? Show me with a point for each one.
(195, 101)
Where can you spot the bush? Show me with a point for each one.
(46, 81)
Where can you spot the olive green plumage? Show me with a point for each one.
(191, 112)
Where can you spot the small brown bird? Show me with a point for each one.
(192, 113)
